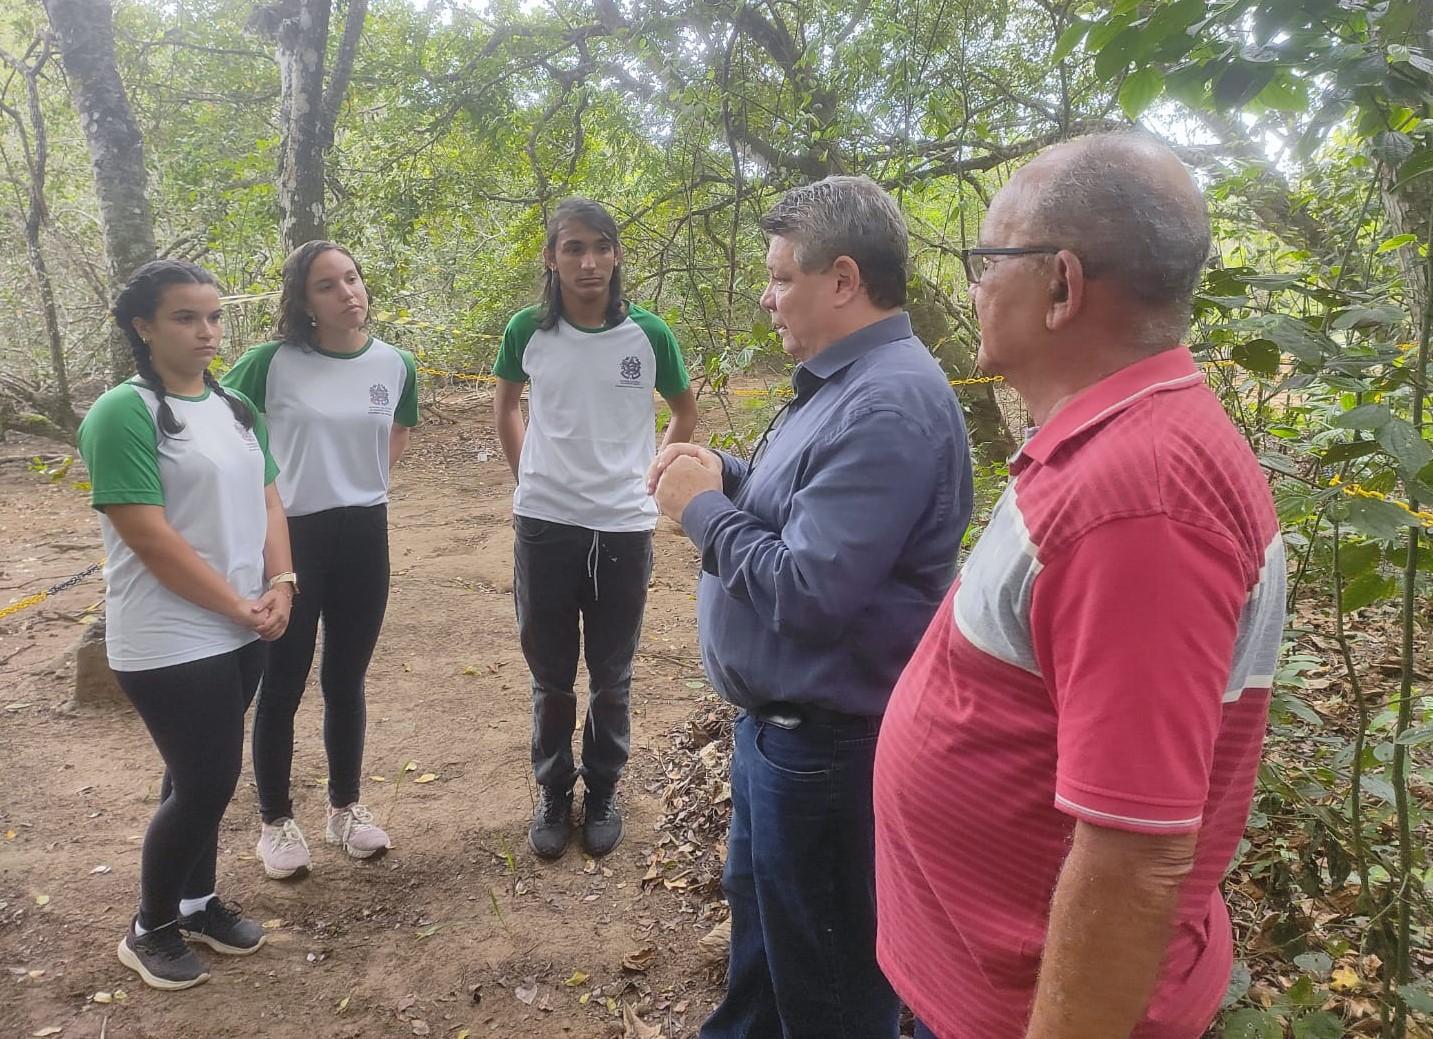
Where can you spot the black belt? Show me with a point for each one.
(789, 715)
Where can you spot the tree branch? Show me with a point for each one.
(342, 70)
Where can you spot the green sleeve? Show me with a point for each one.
(672, 377)
(520, 329)
(261, 434)
(406, 414)
(120, 446)
(250, 374)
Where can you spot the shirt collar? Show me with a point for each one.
(1167, 370)
(850, 348)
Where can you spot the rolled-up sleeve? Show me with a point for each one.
(872, 479)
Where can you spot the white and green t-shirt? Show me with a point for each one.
(210, 479)
(330, 416)
(591, 431)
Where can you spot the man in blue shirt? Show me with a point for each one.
(823, 561)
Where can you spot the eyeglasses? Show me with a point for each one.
(976, 260)
(771, 427)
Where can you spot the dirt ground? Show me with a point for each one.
(459, 930)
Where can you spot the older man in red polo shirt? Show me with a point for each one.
(1066, 766)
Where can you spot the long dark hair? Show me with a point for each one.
(294, 324)
(140, 298)
(595, 216)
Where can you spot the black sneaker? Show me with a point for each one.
(219, 926)
(161, 958)
(551, 823)
(601, 822)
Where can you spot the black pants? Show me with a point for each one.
(195, 713)
(341, 557)
(562, 573)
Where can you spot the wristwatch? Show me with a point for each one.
(287, 577)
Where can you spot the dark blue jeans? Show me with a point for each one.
(800, 879)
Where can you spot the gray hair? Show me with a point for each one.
(847, 216)
(1117, 201)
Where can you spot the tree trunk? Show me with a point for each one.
(85, 32)
(933, 318)
(36, 155)
(308, 112)
(302, 40)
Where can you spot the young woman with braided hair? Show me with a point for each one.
(340, 403)
(198, 571)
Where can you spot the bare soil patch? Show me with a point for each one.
(459, 926)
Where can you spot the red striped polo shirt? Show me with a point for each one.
(1105, 655)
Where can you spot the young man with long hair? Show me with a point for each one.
(582, 517)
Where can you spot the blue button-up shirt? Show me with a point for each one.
(824, 562)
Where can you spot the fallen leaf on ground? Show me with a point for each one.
(463, 1033)
(273, 925)
(407, 1002)
(98, 870)
(42, 900)
(379, 779)
(578, 977)
(343, 1004)
(419, 1027)
(1344, 980)
(633, 1027)
(103, 997)
(527, 991)
(426, 777)
(640, 961)
(52, 1030)
(412, 766)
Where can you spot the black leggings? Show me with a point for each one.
(341, 556)
(195, 713)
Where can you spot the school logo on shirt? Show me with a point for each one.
(247, 435)
(631, 370)
(378, 400)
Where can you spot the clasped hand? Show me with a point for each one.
(268, 615)
(679, 474)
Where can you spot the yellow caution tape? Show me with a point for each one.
(467, 376)
(1353, 490)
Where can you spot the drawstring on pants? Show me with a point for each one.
(593, 558)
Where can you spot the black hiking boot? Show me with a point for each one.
(601, 822)
(219, 926)
(551, 826)
(161, 958)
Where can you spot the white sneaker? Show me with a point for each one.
(283, 849)
(352, 828)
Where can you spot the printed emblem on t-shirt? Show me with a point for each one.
(631, 371)
(378, 398)
(247, 435)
